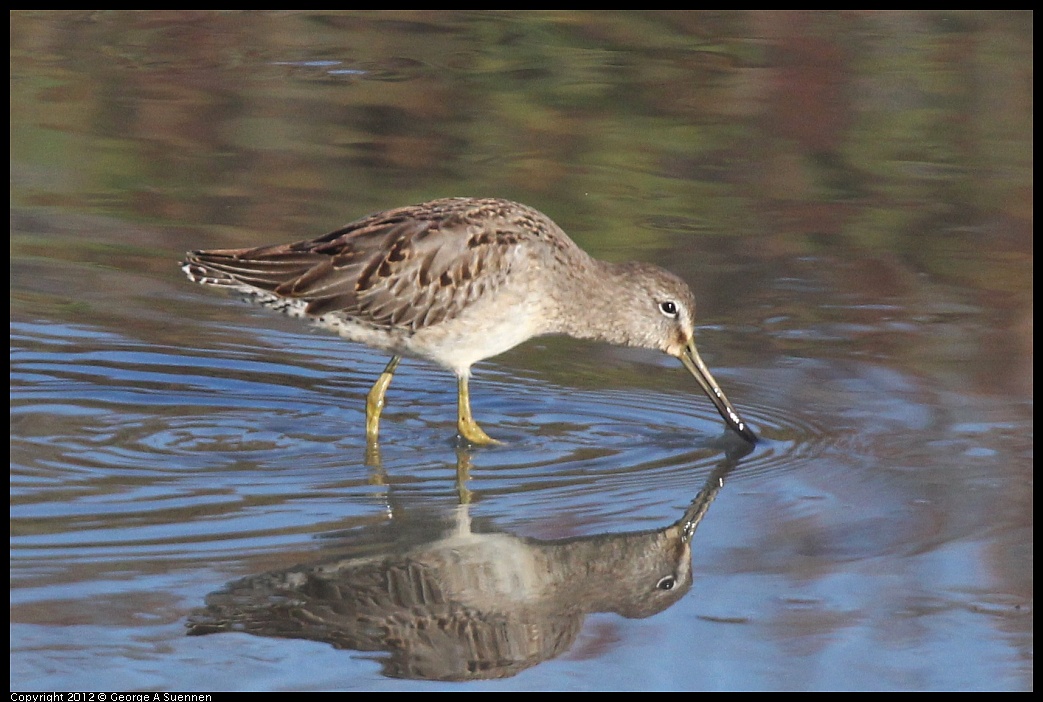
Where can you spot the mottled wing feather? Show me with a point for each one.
(395, 269)
(252, 267)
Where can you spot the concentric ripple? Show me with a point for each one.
(128, 450)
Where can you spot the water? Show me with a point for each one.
(849, 195)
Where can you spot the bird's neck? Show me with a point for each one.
(591, 308)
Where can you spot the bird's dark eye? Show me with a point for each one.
(669, 308)
(666, 583)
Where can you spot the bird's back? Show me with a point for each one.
(404, 269)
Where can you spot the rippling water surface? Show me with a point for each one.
(849, 195)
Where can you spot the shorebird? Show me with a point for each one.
(459, 280)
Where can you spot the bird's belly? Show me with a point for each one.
(485, 329)
(464, 341)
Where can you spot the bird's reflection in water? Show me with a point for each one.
(461, 605)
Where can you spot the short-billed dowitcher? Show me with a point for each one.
(459, 280)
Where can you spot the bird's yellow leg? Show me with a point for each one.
(375, 399)
(469, 428)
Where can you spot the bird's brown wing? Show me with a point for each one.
(408, 268)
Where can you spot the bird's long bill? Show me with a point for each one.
(694, 364)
